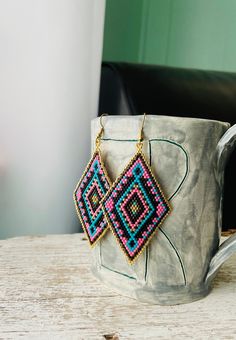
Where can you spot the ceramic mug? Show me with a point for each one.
(188, 157)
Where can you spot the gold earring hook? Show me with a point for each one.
(140, 139)
(101, 123)
(99, 136)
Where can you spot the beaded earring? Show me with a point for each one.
(88, 193)
(135, 205)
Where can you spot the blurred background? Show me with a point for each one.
(50, 64)
(181, 33)
(50, 61)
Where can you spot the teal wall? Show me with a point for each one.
(123, 24)
(184, 33)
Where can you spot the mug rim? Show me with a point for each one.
(194, 119)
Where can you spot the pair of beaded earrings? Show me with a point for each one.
(134, 206)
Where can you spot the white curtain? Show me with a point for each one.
(50, 56)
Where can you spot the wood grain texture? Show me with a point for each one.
(48, 292)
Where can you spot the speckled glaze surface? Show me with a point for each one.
(187, 156)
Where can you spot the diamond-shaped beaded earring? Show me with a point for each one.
(135, 205)
(89, 192)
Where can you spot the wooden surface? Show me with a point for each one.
(48, 292)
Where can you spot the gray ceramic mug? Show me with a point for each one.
(187, 156)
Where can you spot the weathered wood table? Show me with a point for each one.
(48, 292)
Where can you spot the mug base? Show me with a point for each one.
(142, 292)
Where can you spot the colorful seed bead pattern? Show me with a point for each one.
(88, 194)
(135, 206)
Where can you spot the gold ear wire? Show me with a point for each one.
(140, 138)
(99, 136)
(102, 115)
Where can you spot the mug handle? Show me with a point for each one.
(228, 247)
(224, 148)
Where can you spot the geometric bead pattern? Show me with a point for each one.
(135, 207)
(88, 194)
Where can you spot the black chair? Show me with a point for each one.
(135, 88)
